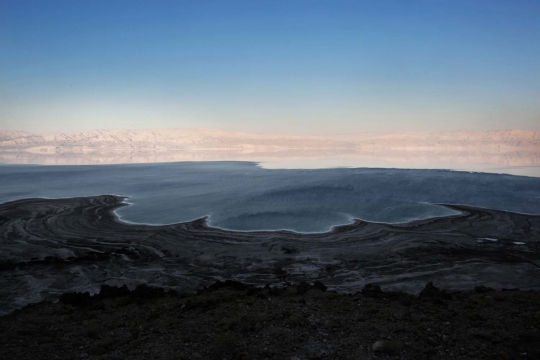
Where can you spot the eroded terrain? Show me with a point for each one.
(53, 246)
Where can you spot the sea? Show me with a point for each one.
(249, 196)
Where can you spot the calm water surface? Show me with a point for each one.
(245, 196)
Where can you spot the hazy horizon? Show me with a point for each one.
(301, 68)
(512, 151)
(272, 132)
(300, 132)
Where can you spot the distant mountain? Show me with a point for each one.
(12, 134)
(195, 139)
(164, 139)
(501, 147)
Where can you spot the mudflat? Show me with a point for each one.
(53, 246)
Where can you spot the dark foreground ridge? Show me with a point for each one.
(53, 246)
(232, 320)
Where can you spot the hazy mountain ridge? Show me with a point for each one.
(198, 139)
(449, 150)
(154, 138)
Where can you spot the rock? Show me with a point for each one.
(107, 291)
(406, 301)
(482, 289)
(433, 293)
(116, 354)
(319, 285)
(144, 291)
(29, 330)
(123, 337)
(231, 284)
(75, 299)
(387, 347)
(530, 336)
(302, 288)
(372, 290)
(432, 341)
(479, 333)
(314, 354)
(496, 340)
(292, 290)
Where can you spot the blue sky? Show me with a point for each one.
(299, 66)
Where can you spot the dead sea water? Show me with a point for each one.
(243, 196)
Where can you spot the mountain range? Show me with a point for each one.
(498, 147)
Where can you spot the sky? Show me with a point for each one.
(296, 66)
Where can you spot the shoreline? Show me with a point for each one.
(53, 246)
(460, 210)
(493, 170)
(453, 207)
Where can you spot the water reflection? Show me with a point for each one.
(525, 163)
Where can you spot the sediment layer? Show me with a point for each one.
(53, 246)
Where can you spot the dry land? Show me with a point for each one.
(55, 253)
(235, 321)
